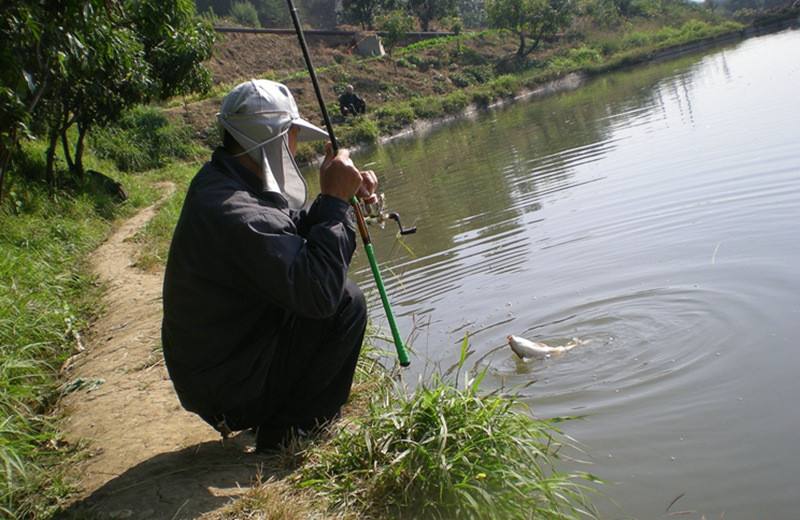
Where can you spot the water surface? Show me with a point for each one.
(654, 212)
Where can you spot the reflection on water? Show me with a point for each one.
(655, 213)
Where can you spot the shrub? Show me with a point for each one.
(505, 86)
(455, 102)
(460, 79)
(362, 130)
(427, 107)
(245, 13)
(645, 8)
(143, 139)
(636, 39)
(483, 97)
(480, 73)
(584, 55)
(393, 117)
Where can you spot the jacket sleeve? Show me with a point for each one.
(304, 273)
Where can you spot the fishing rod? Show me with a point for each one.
(402, 355)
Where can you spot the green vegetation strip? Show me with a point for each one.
(480, 85)
(47, 297)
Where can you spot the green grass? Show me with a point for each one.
(47, 297)
(144, 139)
(445, 452)
(155, 237)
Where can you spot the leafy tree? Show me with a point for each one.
(35, 38)
(274, 13)
(535, 19)
(81, 62)
(472, 12)
(102, 71)
(395, 25)
(176, 43)
(430, 10)
(245, 13)
(363, 12)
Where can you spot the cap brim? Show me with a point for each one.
(309, 132)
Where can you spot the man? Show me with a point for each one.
(261, 326)
(350, 103)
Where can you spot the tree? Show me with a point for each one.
(395, 25)
(363, 12)
(36, 37)
(536, 19)
(176, 43)
(82, 62)
(472, 12)
(273, 13)
(430, 10)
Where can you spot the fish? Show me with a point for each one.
(527, 349)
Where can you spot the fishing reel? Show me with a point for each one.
(376, 214)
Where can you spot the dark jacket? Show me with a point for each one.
(351, 104)
(239, 265)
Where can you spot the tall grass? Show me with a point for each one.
(144, 139)
(46, 299)
(444, 451)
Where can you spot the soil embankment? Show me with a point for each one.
(146, 457)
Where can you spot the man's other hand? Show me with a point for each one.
(340, 178)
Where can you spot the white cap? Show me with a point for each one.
(258, 115)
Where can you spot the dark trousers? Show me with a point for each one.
(312, 371)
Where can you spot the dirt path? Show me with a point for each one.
(148, 457)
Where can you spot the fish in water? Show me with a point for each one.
(525, 348)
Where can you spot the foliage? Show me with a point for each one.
(445, 452)
(431, 10)
(273, 13)
(362, 130)
(143, 139)
(86, 61)
(176, 44)
(472, 12)
(392, 117)
(245, 13)
(395, 25)
(363, 12)
(536, 19)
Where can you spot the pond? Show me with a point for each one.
(655, 214)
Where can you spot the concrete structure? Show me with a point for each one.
(370, 46)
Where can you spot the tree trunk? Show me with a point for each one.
(65, 146)
(521, 50)
(5, 158)
(82, 130)
(51, 155)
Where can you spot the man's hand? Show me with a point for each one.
(340, 178)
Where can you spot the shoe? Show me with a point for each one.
(272, 438)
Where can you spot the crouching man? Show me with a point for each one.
(262, 329)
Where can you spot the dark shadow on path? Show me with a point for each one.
(179, 485)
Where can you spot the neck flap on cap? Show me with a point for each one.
(258, 115)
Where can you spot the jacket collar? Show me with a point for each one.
(229, 166)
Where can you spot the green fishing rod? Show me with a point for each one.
(402, 355)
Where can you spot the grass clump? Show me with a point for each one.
(45, 297)
(445, 452)
(143, 139)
